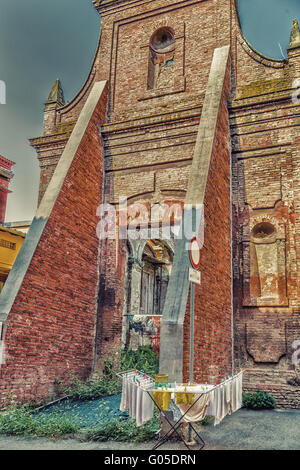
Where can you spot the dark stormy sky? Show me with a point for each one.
(40, 41)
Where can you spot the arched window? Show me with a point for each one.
(161, 58)
(264, 261)
(157, 260)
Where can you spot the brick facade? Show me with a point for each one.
(149, 134)
(50, 330)
(265, 220)
(213, 309)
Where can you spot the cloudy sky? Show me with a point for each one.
(40, 41)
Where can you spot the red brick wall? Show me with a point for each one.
(149, 145)
(212, 338)
(111, 299)
(264, 189)
(50, 330)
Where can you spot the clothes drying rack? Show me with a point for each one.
(140, 376)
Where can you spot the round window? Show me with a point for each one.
(163, 38)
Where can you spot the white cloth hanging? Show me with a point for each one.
(147, 407)
(124, 398)
(136, 399)
(228, 406)
(226, 398)
(193, 413)
(132, 403)
(220, 404)
(139, 405)
(237, 393)
(212, 409)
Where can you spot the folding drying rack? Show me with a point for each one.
(139, 376)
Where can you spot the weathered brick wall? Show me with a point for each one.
(194, 45)
(149, 139)
(122, 58)
(49, 150)
(265, 178)
(274, 382)
(110, 300)
(213, 312)
(50, 330)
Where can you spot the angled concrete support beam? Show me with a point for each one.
(20, 267)
(171, 339)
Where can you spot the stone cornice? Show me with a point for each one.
(258, 100)
(108, 7)
(153, 120)
(48, 141)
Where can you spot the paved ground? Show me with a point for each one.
(245, 430)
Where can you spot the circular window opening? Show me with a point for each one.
(263, 230)
(163, 38)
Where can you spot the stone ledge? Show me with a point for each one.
(178, 87)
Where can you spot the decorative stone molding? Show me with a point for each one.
(265, 338)
(256, 279)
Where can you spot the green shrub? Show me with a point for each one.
(99, 386)
(144, 359)
(259, 400)
(20, 421)
(123, 431)
(107, 383)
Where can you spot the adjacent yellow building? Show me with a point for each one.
(12, 234)
(11, 241)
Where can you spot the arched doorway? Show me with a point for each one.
(147, 283)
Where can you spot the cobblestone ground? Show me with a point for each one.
(245, 430)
